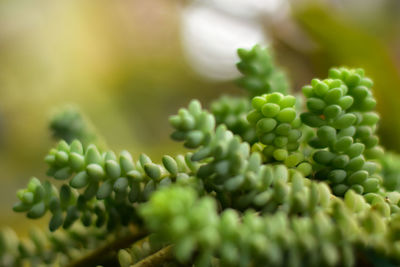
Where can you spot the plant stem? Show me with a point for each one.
(156, 259)
(109, 250)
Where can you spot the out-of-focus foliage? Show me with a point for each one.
(391, 170)
(69, 124)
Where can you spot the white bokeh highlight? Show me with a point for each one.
(212, 31)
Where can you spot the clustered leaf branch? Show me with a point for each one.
(267, 182)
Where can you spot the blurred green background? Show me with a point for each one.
(130, 64)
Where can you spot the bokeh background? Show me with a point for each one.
(129, 64)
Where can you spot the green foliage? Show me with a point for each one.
(69, 124)
(322, 239)
(391, 171)
(261, 76)
(232, 112)
(340, 108)
(231, 170)
(101, 187)
(262, 186)
(278, 128)
(42, 248)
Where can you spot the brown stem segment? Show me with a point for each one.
(156, 259)
(109, 251)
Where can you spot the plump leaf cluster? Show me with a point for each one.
(340, 108)
(260, 75)
(266, 184)
(101, 188)
(235, 173)
(360, 88)
(278, 128)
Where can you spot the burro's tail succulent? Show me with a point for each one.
(266, 182)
